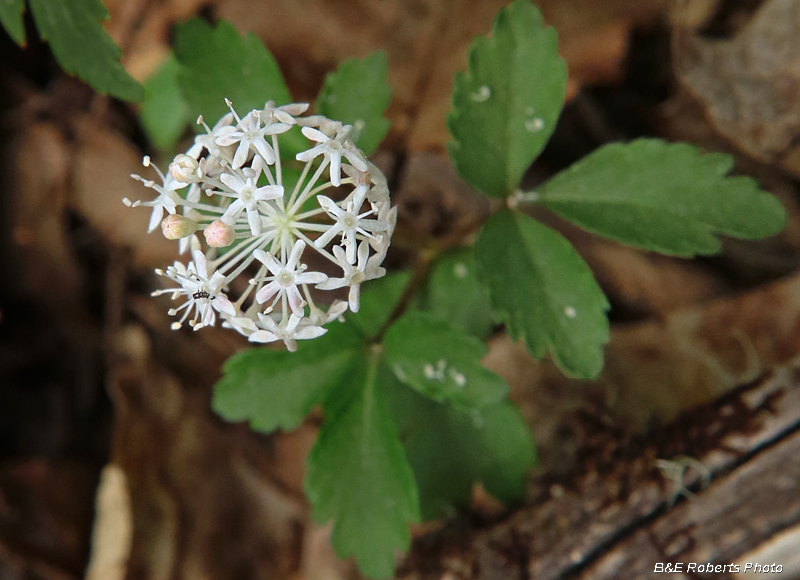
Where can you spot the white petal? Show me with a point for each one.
(268, 192)
(332, 284)
(267, 292)
(233, 181)
(294, 257)
(228, 137)
(310, 278)
(262, 336)
(222, 304)
(336, 169)
(278, 128)
(233, 211)
(215, 282)
(358, 197)
(355, 159)
(363, 254)
(308, 332)
(353, 298)
(315, 135)
(330, 206)
(242, 152)
(269, 261)
(326, 237)
(295, 300)
(254, 219)
(200, 264)
(265, 150)
(311, 153)
(155, 217)
(373, 225)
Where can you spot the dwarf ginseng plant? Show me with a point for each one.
(275, 208)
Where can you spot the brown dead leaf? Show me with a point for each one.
(205, 498)
(39, 185)
(749, 86)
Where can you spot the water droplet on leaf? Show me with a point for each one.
(570, 312)
(534, 125)
(460, 270)
(483, 94)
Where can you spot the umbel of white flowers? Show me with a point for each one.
(259, 222)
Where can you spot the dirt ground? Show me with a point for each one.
(105, 421)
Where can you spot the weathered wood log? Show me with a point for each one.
(617, 515)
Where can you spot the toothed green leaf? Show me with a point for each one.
(505, 106)
(670, 198)
(544, 292)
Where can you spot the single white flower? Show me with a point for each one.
(250, 135)
(353, 274)
(286, 277)
(167, 199)
(287, 331)
(203, 294)
(333, 149)
(208, 140)
(247, 198)
(349, 222)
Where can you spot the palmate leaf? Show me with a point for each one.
(441, 362)
(357, 94)
(544, 292)
(80, 45)
(219, 63)
(277, 389)
(665, 197)
(505, 106)
(450, 450)
(359, 477)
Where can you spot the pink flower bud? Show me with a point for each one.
(177, 226)
(219, 234)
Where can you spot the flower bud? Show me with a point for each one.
(219, 234)
(177, 226)
(185, 169)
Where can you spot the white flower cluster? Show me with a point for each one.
(258, 219)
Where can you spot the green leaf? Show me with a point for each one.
(505, 106)
(378, 300)
(82, 47)
(11, 18)
(164, 112)
(357, 94)
(277, 389)
(219, 63)
(359, 477)
(544, 291)
(441, 362)
(664, 197)
(453, 293)
(450, 451)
